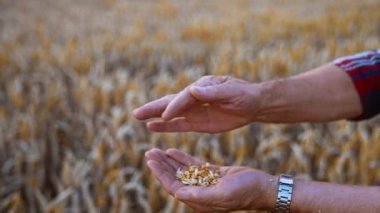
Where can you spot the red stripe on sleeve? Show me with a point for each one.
(367, 85)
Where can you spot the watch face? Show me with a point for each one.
(286, 180)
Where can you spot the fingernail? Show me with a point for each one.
(182, 194)
(151, 164)
(147, 154)
(136, 114)
(197, 89)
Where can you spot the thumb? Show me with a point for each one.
(212, 93)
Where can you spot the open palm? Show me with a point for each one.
(238, 188)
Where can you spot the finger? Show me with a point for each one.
(183, 158)
(210, 80)
(164, 176)
(179, 125)
(161, 156)
(155, 154)
(153, 109)
(178, 105)
(175, 125)
(213, 93)
(185, 99)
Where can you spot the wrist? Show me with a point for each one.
(256, 98)
(275, 98)
(267, 191)
(269, 200)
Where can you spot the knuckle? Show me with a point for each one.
(169, 97)
(207, 77)
(204, 79)
(226, 78)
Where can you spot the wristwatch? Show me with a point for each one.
(284, 193)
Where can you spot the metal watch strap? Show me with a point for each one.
(284, 193)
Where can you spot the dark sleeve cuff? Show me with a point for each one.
(364, 70)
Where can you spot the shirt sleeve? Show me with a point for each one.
(364, 70)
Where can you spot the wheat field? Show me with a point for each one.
(72, 71)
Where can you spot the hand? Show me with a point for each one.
(212, 104)
(238, 188)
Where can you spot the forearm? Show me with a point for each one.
(323, 94)
(311, 196)
(319, 197)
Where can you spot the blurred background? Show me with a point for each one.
(72, 71)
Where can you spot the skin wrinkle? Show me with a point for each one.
(170, 186)
(189, 114)
(173, 186)
(172, 162)
(271, 97)
(161, 175)
(208, 119)
(294, 99)
(160, 157)
(174, 165)
(151, 165)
